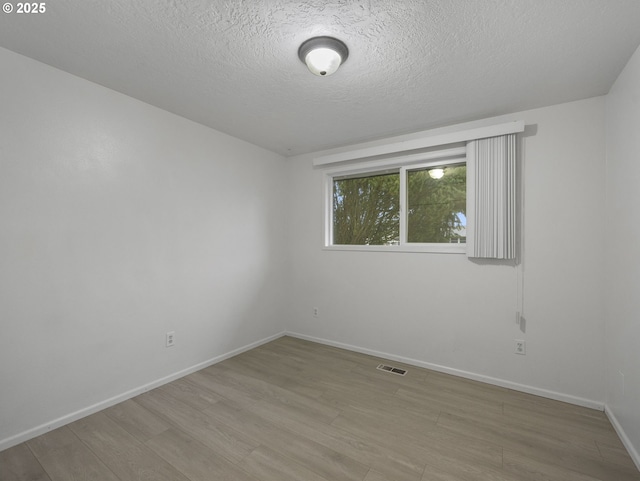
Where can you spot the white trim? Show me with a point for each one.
(633, 452)
(71, 417)
(408, 247)
(422, 143)
(327, 214)
(579, 401)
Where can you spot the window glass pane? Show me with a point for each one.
(436, 204)
(366, 210)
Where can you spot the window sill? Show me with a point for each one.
(426, 248)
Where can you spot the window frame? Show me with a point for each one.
(451, 156)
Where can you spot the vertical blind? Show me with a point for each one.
(492, 162)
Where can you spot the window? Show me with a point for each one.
(366, 209)
(415, 207)
(437, 204)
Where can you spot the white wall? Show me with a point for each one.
(445, 310)
(118, 223)
(622, 255)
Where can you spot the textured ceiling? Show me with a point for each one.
(413, 64)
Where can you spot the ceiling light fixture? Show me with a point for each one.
(323, 55)
(436, 173)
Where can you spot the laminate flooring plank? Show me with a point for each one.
(557, 428)
(225, 441)
(564, 453)
(268, 465)
(394, 430)
(615, 453)
(461, 470)
(296, 356)
(272, 359)
(127, 457)
(453, 402)
(136, 420)
(385, 404)
(528, 431)
(496, 429)
(349, 381)
(304, 387)
(299, 381)
(195, 460)
(307, 381)
(534, 469)
(251, 380)
(275, 359)
(191, 393)
(392, 422)
(374, 475)
(225, 386)
(65, 458)
(321, 352)
(260, 370)
(256, 384)
(313, 407)
(368, 453)
(325, 352)
(318, 458)
(313, 354)
(460, 385)
(385, 432)
(597, 428)
(19, 464)
(430, 449)
(537, 404)
(441, 442)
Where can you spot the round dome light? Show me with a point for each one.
(323, 55)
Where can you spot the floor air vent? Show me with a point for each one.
(394, 370)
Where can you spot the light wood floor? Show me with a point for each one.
(295, 410)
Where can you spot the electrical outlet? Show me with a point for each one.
(316, 312)
(521, 347)
(171, 338)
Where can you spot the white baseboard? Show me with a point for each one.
(633, 452)
(71, 417)
(589, 403)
